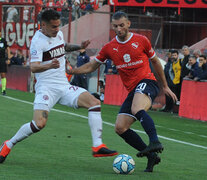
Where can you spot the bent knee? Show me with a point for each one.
(41, 120)
(95, 102)
(119, 129)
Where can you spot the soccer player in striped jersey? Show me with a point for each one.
(48, 63)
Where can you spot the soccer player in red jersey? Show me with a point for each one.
(130, 53)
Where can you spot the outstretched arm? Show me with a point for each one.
(86, 68)
(37, 67)
(74, 47)
(159, 71)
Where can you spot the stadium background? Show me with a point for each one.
(168, 24)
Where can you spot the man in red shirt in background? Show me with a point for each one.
(130, 53)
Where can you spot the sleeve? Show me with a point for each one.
(148, 48)
(102, 55)
(36, 52)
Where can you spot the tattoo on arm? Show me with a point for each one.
(72, 47)
(45, 114)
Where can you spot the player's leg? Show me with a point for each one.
(122, 128)
(3, 83)
(145, 93)
(44, 101)
(86, 100)
(38, 122)
(78, 97)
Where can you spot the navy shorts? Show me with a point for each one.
(146, 86)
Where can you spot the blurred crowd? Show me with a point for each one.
(78, 8)
(183, 65)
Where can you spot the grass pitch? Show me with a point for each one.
(62, 150)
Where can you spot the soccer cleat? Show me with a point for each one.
(153, 159)
(4, 93)
(152, 147)
(103, 151)
(4, 151)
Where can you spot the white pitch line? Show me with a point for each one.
(110, 124)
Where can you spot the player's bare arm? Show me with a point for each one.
(74, 47)
(160, 73)
(37, 67)
(86, 68)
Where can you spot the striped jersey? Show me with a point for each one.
(44, 49)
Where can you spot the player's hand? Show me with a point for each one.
(55, 64)
(8, 61)
(85, 44)
(168, 92)
(69, 71)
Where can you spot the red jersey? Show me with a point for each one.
(130, 57)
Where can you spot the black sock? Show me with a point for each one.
(133, 139)
(148, 125)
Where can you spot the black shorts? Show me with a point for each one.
(3, 66)
(146, 86)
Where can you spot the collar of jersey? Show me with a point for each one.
(123, 42)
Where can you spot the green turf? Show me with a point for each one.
(62, 151)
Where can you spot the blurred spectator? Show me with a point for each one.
(65, 14)
(50, 3)
(176, 67)
(76, 9)
(81, 79)
(101, 89)
(12, 14)
(26, 14)
(89, 5)
(197, 54)
(59, 4)
(19, 59)
(203, 69)
(194, 68)
(169, 77)
(185, 70)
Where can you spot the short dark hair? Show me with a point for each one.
(119, 14)
(174, 51)
(50, 14)
(203, 56)
(192, 56)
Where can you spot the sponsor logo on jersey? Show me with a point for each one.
(129, 64)
(126, 58)
(57, 52)
(115, 49)
(135, 45)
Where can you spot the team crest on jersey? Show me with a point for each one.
(46, 97)
(33, 52)
(151, 50)
(135, 45)
(127, 58)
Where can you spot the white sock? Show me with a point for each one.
(95, 123)
(21, 134)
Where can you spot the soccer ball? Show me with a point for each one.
(123, 164)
